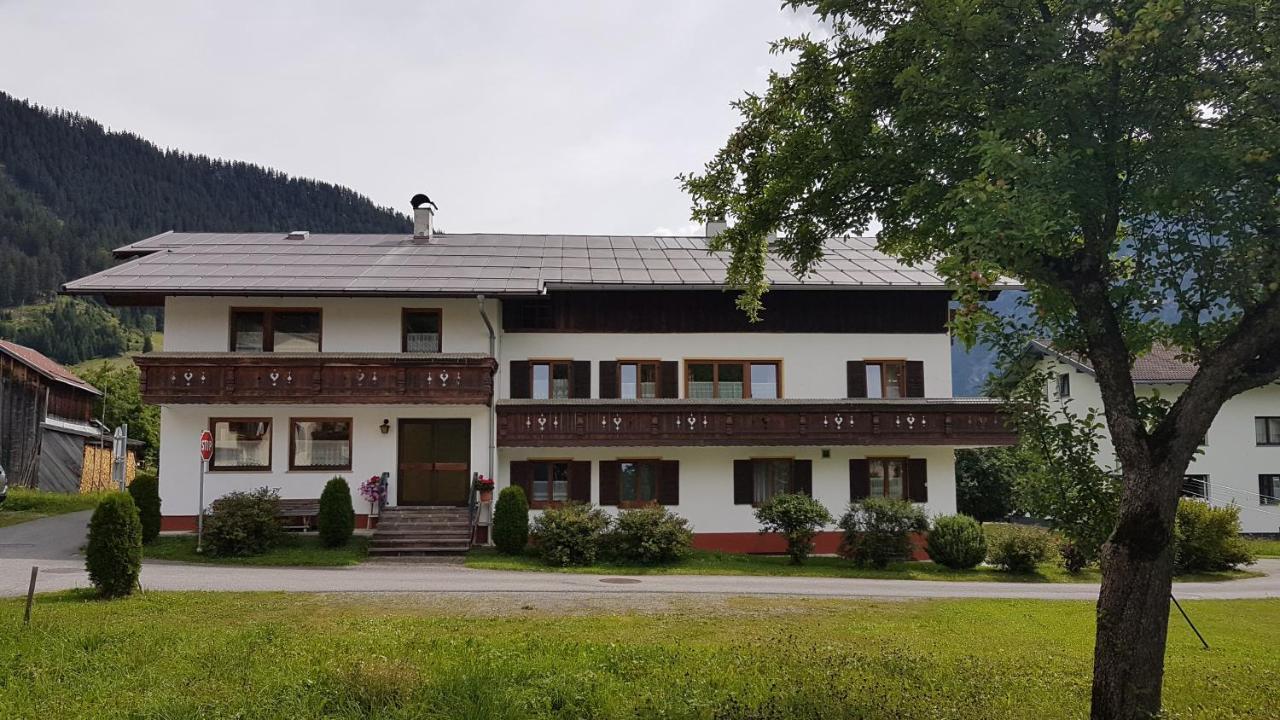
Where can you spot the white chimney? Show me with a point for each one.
(423, 212)
(422, 229)
(716, 226)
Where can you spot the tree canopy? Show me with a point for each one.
(1121, 159)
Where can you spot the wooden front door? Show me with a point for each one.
(435, 462)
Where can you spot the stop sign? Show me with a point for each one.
(206, 445)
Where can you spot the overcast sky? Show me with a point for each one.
(552, 116)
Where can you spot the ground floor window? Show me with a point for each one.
(1269, 489)
(241, 444)
(638, 482)
(888, 477)
(320, 444)
(1195, 486)
(771, 476)
(550, 482)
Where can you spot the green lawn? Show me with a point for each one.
(126, 359)
(293, 549)
(258, 656)
(1264, 548)
(708, 563)
(24, 505)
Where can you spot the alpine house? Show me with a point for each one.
(604, 369)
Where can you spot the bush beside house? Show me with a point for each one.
(570, 534)
(878, 531)
(798, 518)
(511, 521)
(1207, 538)
(957, 542)
(1017, 548)
(243, 523)
(649, 535)
(145, 491)
(113, 556)
(337, 519)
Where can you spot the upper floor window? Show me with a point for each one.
(1267, 430)
(1195, 486)
(275, 330)
(886, 379)
(420, 331)
(637, 380)
(707, 379)
(551, 380)
(320, 444)
(1062, 390)
(241, 444)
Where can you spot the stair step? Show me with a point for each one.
(420, 550)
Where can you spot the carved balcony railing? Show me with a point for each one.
(312, 378)
(610, 423)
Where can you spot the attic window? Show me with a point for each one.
(1063, 389)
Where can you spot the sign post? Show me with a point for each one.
(206, 452)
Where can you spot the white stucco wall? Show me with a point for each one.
(372, 453)
(813, 364)
(194, 324)
(706, 477)
(1231, 458)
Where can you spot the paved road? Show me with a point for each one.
(45, 539)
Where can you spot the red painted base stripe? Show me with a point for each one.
(755, 543)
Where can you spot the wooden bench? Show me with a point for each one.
(298, 514)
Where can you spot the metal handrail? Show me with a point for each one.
(473, 507)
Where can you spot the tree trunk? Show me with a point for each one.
(1133, 606)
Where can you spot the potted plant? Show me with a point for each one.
(373, 491)
(484, 486)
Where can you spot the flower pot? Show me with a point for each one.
(486, 495)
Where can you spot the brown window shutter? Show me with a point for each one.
(581, 379)
(609, 473)
(856, 372)
(520, 385)
(744, 486)
(580, 481)
(859, 479)
(669, 482)
(917, 480)
(915, 378)
(802, 477)
(522, 477)
(669, 379)
(608, 379)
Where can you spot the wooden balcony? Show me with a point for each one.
(665, 423)
(316, 378)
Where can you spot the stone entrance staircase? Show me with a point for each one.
(419, 531)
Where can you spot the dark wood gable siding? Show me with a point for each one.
(656, 311)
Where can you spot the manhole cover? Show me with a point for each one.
(619, 581)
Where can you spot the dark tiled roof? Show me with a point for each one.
(1160, 365)
(460, 264)
(46, 367)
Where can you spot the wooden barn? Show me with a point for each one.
(46, 423)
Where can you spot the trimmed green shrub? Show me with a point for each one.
(243, 523)
(798, 518)
(511, 521)
(1017, 548)
(570, 534)
(650, 535)
(114, 554)
(1073, 557)
(878, 531)
(1207, 538)
(145, 491)
(957, 542)
(337, 519)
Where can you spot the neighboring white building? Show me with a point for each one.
(1239, 464)
(613, 370)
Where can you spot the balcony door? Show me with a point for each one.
(435, 462)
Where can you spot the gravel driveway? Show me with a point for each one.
(53, 544)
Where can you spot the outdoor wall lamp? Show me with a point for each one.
(385, 427)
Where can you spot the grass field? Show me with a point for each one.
(293, 549)
(260, 656)
(157, 342)
(24, 505)
(1264, 548)
(708, 563)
